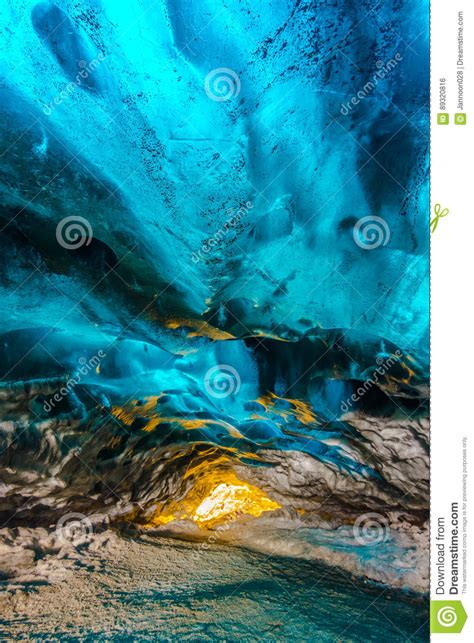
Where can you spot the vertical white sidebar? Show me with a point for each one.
(452, 312)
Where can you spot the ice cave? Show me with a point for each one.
(214, 329)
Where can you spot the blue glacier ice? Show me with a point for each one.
(214, 231)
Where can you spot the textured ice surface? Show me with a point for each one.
(156, 589)
(140, 150)
(286, 306)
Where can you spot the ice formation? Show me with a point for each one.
(216, 312)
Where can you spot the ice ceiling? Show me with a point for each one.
(217, 313)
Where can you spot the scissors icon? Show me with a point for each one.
(438, 215)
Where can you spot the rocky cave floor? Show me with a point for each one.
(158, 589)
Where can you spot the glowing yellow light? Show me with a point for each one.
(163, 519)
(300, 410)
(148, 410)
(227, 501)
(218, 496)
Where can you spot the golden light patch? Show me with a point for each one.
(199, 328)
(300, 410)
(231, 500)
(149, 411)
(218, 496)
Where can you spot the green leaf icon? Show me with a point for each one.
(447, 617)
